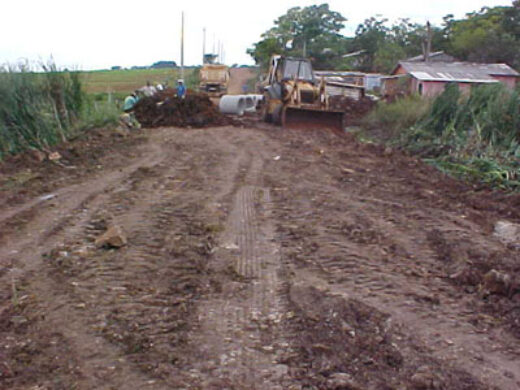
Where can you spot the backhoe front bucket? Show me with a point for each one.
(312, 118)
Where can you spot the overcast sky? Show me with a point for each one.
(97, 34)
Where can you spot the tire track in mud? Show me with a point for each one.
(416, 290)
(394, 274)
(142, 295)
(122, 308)
(355, 241)
(59, 290)
(240, 333)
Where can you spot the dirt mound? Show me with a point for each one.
(165, 109)
(354, 109)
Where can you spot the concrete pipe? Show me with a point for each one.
(258, 99)
(250, 103)
(232, 104)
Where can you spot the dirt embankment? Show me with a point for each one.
(256, 258)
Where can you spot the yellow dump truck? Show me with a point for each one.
(214, 79)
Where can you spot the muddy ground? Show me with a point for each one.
(256, 258)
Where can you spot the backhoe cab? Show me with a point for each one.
(295, 98)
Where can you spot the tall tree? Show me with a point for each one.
(370, 37)
(312, 31)
(490, 35)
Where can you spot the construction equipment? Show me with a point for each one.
(293, 97)
(214, 79)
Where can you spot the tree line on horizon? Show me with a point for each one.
(490, 35)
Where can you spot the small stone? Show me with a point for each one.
(55, 156)
(280, 371)
(423, 379)
(113, 237)
(496, 282)
(388, 151)
(84, 251)
(507, 232)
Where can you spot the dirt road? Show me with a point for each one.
(239, 78)
(256, 259)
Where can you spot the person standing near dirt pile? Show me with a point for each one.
(127, 119)
(148, 90)
(181, 89)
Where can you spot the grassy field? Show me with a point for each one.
(126, 81)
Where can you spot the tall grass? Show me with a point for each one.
(395, 117)
(41, 109)
(476, 137)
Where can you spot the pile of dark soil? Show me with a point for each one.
(165, 109)
(354, 109)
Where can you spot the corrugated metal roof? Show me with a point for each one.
(439, 56)
(457, 71)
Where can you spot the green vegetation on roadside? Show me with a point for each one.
(475, 137)
(41, 109)
(401, 114)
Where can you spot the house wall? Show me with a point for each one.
(395, 87)
(435, 88)
(508, 81)
(372, 81)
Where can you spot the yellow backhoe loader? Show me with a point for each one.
(293, 97)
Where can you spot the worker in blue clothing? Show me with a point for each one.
(181, 89)
(130, 102)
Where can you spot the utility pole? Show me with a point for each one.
(427, 43)
(203, 44)
(182, 46)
